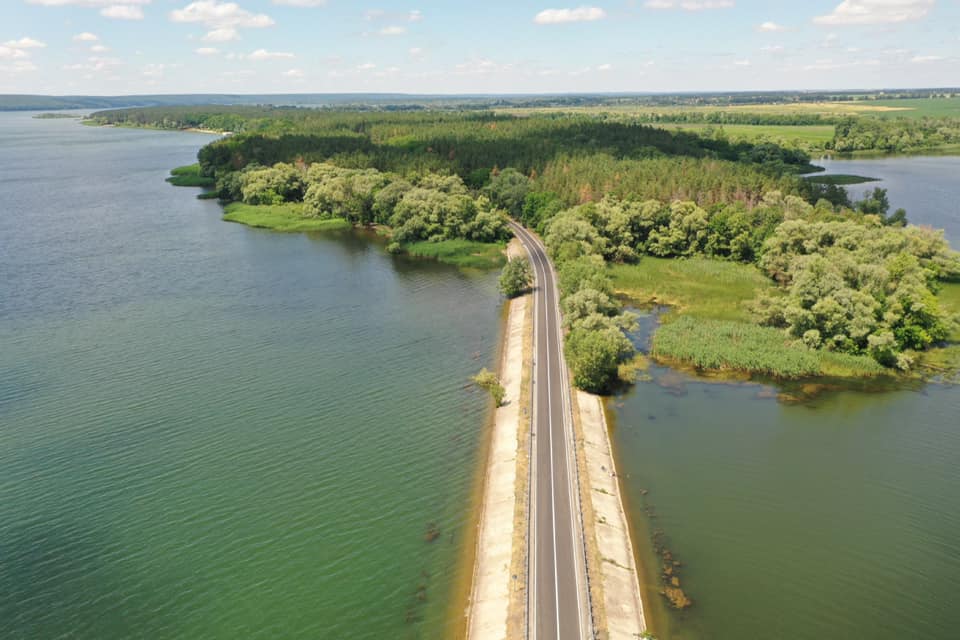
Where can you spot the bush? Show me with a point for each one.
(488, 380)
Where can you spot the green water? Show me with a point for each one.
(209, 431)
(837, 517)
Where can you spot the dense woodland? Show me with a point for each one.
(894, 134)
(851, 278)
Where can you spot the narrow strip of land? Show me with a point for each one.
(558, 594)
(496, 585)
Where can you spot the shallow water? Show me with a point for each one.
(210, 431)
(831, 518)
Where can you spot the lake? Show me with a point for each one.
(926, 186)
(210, 431)
(831, 518)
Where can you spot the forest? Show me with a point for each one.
(894, 135)
(846, 279)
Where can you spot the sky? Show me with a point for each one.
(115, 47)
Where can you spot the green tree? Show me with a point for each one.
(516, 277)
(594, 355)
(508, 190)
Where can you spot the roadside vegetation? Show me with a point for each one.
(488, 381)
(516, 278)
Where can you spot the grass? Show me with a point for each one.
(189, 176)
(710, 326)
(840, 178)
(700, 287)
(462, 253)
(280, 217)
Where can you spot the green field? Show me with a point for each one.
(280, 217)
(813, 136)
(923, 107)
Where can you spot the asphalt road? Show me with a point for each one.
(558, 604)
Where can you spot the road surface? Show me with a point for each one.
(557, 589)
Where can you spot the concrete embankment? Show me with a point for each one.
(614, 584)
(497, 607)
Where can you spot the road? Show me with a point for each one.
(557, 590)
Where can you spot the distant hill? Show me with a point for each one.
(404, 101)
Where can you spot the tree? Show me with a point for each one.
(593, 356)
(516, 278)
(488, 380)
(508, 190)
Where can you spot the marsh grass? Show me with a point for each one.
(462, 253)
(189, 176)
(840, 179)
(710, 327)
(699, 287)
(281, 217)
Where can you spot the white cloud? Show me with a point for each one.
(24, 43)
(94, 64)
(222, 18)
(9, 53)
(367, 66)
(17, 50)
(263, 54)
(223, 34)
(770, 27)
(392, 30)
(99, 48)
(122, 12)
(415, 16)
(293, 73)
(689, 5)
(86, 36)
(563, 16)
(876, 12)
(87, 3)
(301, 3)
(923, 59)
(605, 67)
(482, 66)
(155, 70)
(373, 14)
(206, 51)
(741, 63)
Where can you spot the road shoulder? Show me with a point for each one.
(611, 566)
(497, 607)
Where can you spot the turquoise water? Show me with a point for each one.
(209, 431)
(831, 518)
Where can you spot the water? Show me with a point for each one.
(926, 186)
(832, 518)
(209, 431)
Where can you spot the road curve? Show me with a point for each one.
(558, 602)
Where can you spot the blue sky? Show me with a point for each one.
(462, 46)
